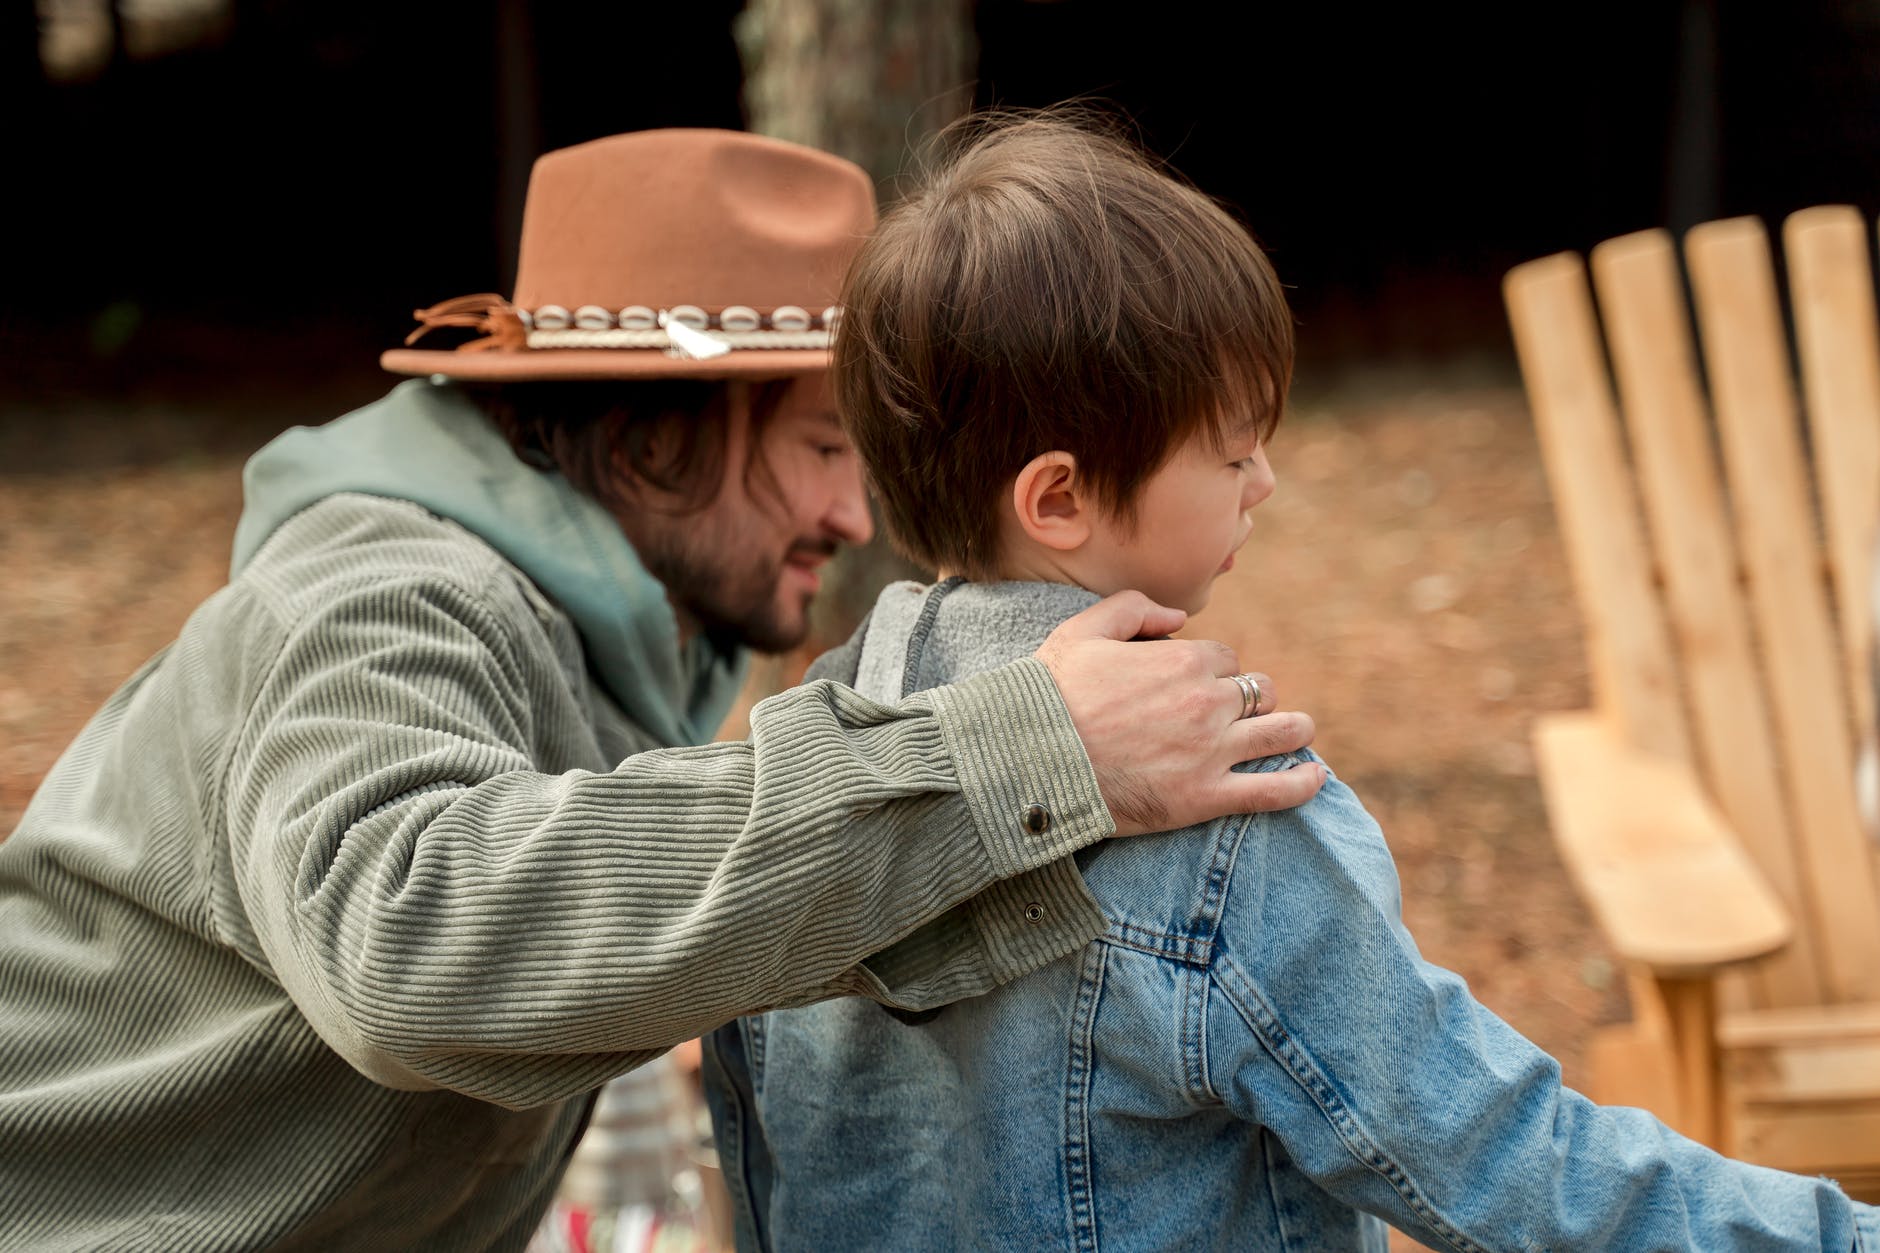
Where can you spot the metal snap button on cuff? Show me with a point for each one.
(1037, 819)
(1034, 912)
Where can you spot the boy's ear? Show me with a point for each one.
(1051, 503)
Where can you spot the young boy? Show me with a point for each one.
(1061, 367)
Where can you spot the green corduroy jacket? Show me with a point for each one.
(320, 932)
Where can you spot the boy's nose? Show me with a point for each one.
(1260, 484)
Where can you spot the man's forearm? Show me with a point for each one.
(520, 936)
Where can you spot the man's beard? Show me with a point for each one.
(731, 589)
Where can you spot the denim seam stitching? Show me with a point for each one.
(1192, 1044)
(1193, 1041)
(1077, 1164)
(1220, 874)
(1188, 949)
(1293, 1058)
(1270, 1176)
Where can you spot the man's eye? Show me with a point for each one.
(829, 452)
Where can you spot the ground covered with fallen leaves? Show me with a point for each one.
(1405, 585)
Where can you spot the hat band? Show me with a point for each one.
(732, 319)
(685, 330)
(662, 339)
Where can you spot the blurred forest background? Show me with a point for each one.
(223, 210)
(286, 168)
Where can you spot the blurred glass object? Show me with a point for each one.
(78, 39)
(74, 38)
(644, 1179)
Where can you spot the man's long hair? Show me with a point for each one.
(601, 435)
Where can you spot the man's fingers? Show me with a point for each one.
(1221, 659)
(1124, 616)
(1162, 722)
(1271, 735)
(1278, 789)
(1266, 704)
(1158, 621)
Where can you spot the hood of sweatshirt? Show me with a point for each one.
(920, 637)
(426, 443)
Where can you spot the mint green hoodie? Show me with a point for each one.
(426, 443)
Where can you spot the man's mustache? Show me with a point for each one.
(809, 549)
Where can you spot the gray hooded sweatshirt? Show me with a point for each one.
(319, 933)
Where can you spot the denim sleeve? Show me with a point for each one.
(1398, 1093)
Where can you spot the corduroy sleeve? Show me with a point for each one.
(445, 915)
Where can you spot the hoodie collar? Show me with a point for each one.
(920, 637)
(426, 443)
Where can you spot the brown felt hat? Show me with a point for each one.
(665, 254)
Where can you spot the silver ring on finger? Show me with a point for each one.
(1250, 694)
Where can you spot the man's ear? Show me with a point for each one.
(627, 484)
(1051, 503)
(660, 445)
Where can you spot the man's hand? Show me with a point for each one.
(1161, 719)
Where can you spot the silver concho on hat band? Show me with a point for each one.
(683, 339)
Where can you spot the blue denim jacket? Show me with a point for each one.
(1253, 1055)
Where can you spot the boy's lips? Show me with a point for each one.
(1242, 539)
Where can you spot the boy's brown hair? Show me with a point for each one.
(1048, 286)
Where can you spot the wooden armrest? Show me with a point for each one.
(1661, 871)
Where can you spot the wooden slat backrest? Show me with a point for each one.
(1654, 361)
(1719, 609)
(1838, 342)
(1746, 354)
(1557, 338)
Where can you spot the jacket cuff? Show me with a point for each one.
(1035, 918)
(1010, 929)
(1022, 770)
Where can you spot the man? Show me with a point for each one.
(324, 926)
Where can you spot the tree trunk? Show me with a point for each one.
(864, 79)
(868, 80)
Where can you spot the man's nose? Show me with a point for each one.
(848, 518)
